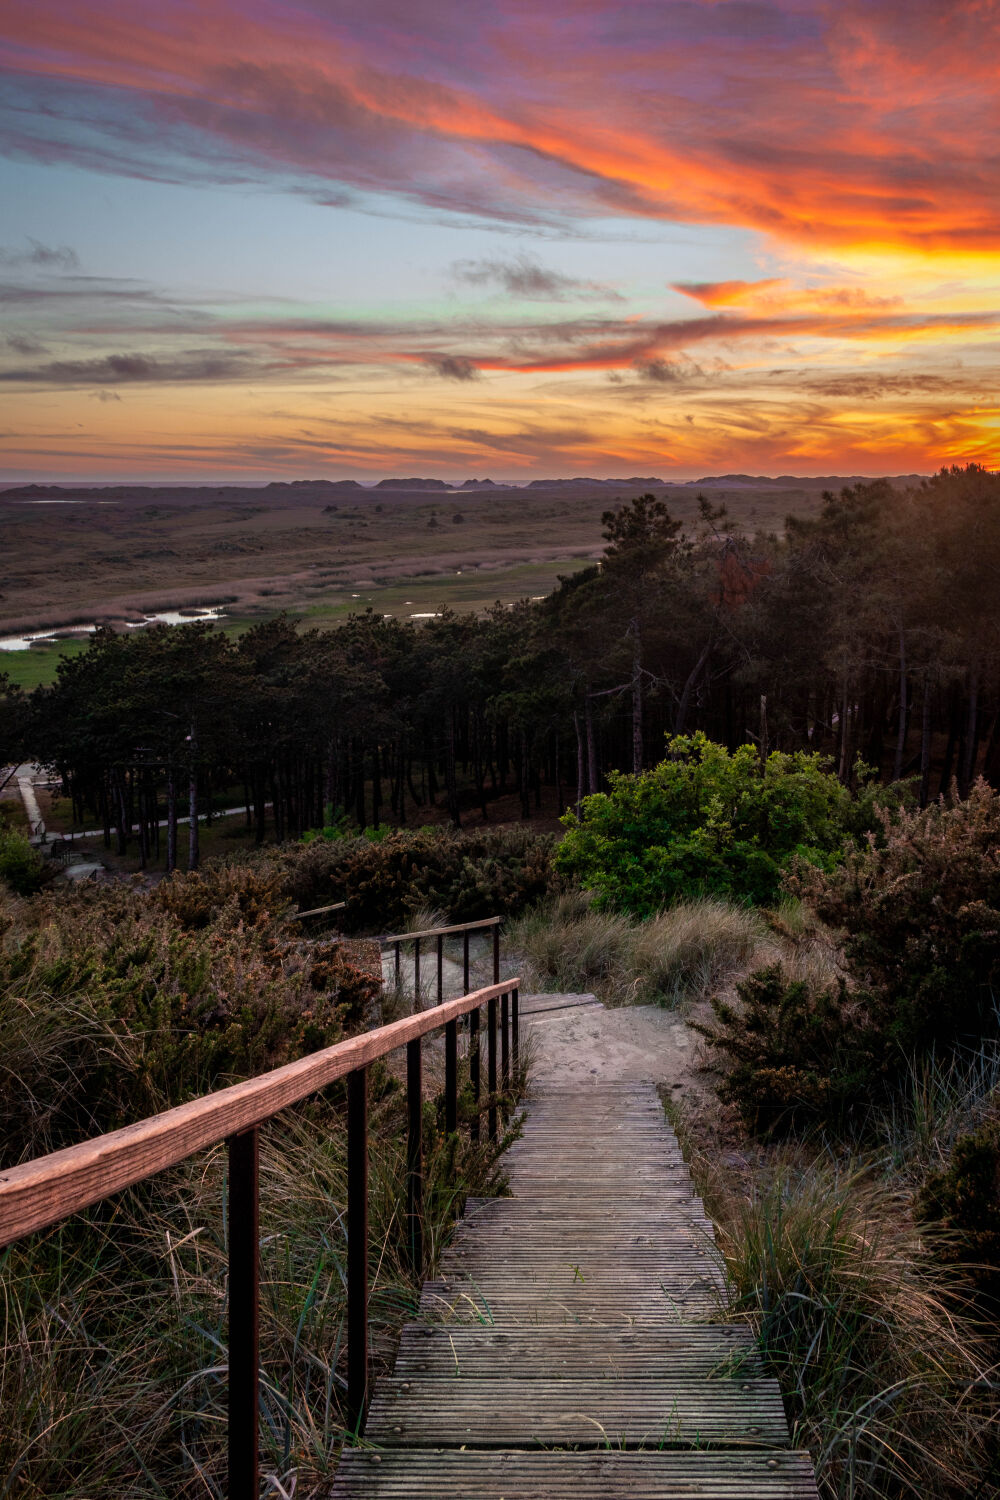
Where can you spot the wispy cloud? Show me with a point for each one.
(45, 257)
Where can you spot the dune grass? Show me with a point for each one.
(682, 952)
(883, 1362)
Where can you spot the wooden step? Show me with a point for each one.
(412, 1474)
(698, 1352)
(692, 1299)
(498, 1413)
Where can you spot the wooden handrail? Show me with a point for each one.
(317, 911)
(407, 937)
(40, 1192)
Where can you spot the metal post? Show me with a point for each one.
(515, 1004)
(357, 1247)
(496, 953)
(465, 962)
(414, 1165)
(474, 1073)
(491, 1011)
(505, 1044)
(418, 1003)
(440, 969)
(244, 1273)
(396, 945)
(451, 1077)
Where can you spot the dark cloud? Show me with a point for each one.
(23, 343)
(877, 387)
(45, 257)
(523, 277)
(104, 395)
(128, 369)
(668, 371)
(452, 366)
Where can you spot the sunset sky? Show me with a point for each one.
(667, 237)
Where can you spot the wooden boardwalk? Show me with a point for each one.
(565, 1352)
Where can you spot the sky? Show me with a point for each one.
(243, 240)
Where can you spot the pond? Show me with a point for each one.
(68, 632)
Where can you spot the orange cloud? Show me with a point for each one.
(826, 125)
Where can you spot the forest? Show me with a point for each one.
(866, 633)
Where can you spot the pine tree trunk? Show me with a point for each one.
(897, 769)
(193, 850)
(593, 772)
(636, 697)
(925, 745)
(971, 732)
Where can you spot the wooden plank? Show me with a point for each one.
(42, 1191)
(656, 1414)
(547, 1005)
(697, 1352)
(411, 1474)
(623, 1312)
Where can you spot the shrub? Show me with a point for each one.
(466, 875)
(962, 1203)
(793, 1051)
(705, 821)
(110, 1010)
(921, 915)
(197, 898)
(21, 866)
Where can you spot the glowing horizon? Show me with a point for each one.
(277, 241)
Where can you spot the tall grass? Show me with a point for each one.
(942, 1096)
(685, 951)
(885, 1372)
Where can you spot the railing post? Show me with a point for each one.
(414, 1158)
(505, 1045)
(357, 1247)
(465, 962)
(515, 1003)
(440, 969)
(396, 946)
(244, 1274)
(491, 1012)
(474, 1073)
(451, 1077)
(418, 1003)
(496, 953)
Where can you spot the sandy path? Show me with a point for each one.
(583, 1042)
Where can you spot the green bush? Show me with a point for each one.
(705, 821)
(962, 1203)
(21, 866)
(793, 1051)
(921, 914)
